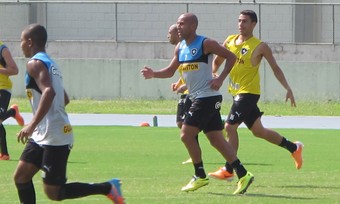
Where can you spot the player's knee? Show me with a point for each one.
(258, 132)
(53, 193)
(230, 129)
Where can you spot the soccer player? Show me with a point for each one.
(49, 136)
(194, 54)
(7, 68)
(180, 87)
(245, 88)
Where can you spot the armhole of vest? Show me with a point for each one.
(2, 59)
(2, 47)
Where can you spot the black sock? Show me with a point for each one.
(239, 168)
(290, 146)
(26, 192)
(229, 168)
(7, 114)
(3, 142)
(199, 170)
(77, 190)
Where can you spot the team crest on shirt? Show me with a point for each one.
(193, 51)
(244, 51)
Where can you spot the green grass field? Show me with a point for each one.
(140, 106)
(148, 160)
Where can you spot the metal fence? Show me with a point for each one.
(148, 21)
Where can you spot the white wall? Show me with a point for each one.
(114, 78)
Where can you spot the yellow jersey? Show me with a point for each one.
(181, 82)
(5, 82)
(243, 77)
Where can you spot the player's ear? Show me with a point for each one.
(29, 42)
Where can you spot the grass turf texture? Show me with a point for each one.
(148, 160)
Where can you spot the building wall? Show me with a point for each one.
(279, 21)
(101, 47)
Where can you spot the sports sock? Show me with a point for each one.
(290, 146)
(199, 170)
(7, 114)
(3, 141)
(78, 190)
(239, 168)
(229, 168)
(26, 192)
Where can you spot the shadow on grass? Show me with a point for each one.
(77, 162)
(262, 195)
(244, 163)
(311, 186)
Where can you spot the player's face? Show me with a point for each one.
(25, 45)
(183, 27)
(245, 25)
(173, 36)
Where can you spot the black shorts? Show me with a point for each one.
(52, 160)
(244, 109)
(204, 113)
(182, 107)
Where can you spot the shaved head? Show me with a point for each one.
(190, 18)
(37, 33)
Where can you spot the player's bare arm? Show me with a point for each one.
(37, 70)
(217, 62)
(11, 67)
(268, 55)
(166, 72)
(212, 46)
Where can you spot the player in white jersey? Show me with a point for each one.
(49, 136)
(194, 54)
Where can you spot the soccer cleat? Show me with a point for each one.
(4, 157)
(223, 174)
(297, 155)
(115, 194)
(17, 116)
(244, 183)
(195, 183)
(187, 161)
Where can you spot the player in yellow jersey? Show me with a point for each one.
(244, 85)
(179, 86)
(7, 68)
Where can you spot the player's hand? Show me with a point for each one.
(147, 72)
(290, 96)
(24, 134)
(216, 83)
(182, 88)
(215, 75)
(174, 86)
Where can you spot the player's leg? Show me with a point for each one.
(189, 132)
(4, 101)
(188, 136)
(245, 178)
(295, 148)
(13, 111)
(235, 117)
(28, 166)
(55, 186)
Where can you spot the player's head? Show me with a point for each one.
(33, 39)
(173, 35)
(187, 24)
(247, 22)
(252, 15)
